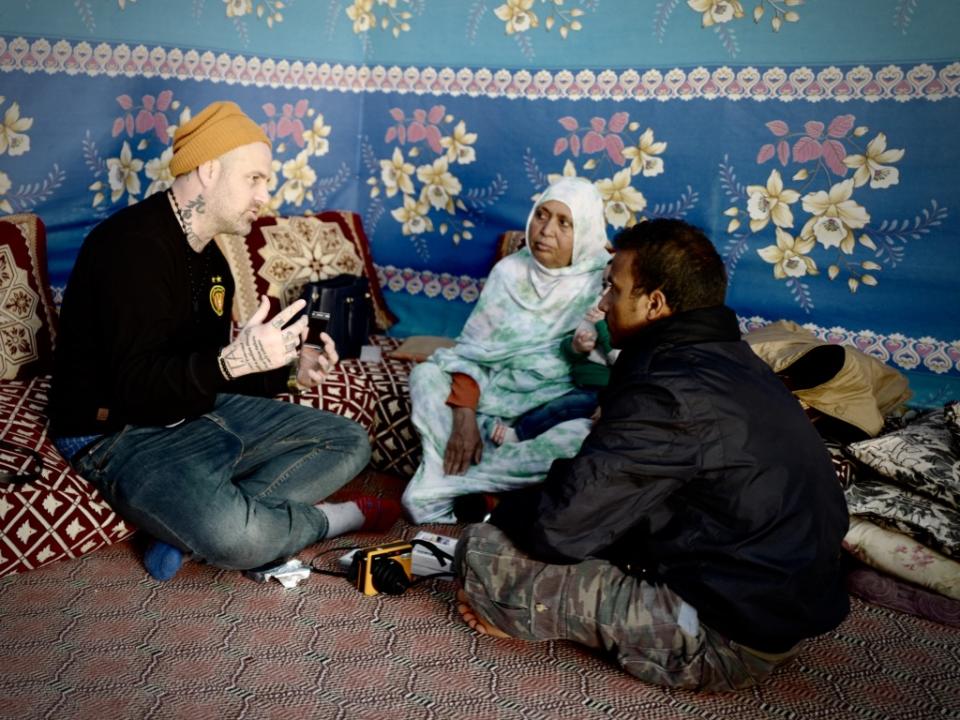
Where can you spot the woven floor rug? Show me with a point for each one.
(97, 638)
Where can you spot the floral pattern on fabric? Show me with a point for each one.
(280, 254)
(147, 128)
(922, 456)
(838, 227)
(304, 249)
(299, 134)
(429, 495)
(932, 524)
(618, 148)
(430, 198)
(951, 413)
(902, 557)
(28, 318)
(14, 141)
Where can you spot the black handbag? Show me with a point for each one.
(346, 300)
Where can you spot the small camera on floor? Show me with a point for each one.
(382, 569)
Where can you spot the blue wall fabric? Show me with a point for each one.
(814, 141)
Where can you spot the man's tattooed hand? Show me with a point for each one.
(263, 346)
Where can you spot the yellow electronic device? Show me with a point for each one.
(382, 569)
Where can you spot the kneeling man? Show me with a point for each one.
(696, 535)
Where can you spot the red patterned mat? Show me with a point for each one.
(97, 638)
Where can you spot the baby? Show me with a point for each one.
(590, 356)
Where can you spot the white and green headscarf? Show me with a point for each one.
(510, 343)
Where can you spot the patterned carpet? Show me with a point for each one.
(97, 638)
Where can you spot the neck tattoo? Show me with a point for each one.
(184, 216)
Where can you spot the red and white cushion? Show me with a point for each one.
(57, 517)
(345, 393)
(396, 444)
(28, 320)
(280, 254)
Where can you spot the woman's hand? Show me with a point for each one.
(464, 446)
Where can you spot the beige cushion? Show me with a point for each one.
(861, 393)
(419, 347)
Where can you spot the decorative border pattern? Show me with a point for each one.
(414, 282)
(921, 82)
(924, 354)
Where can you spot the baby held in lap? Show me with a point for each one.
(590, 356)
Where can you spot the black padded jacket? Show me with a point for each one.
(705, 474)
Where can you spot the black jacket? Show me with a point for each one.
(705, 474)
(139, 332)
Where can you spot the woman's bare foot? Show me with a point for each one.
(475, 621)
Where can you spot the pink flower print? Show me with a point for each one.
(399, 131)
(782, 149)
(270, 126)
(603, 136)
(291, 123)
(618, 121)
(593, 140)
(424, 127)
(572, 141)
(918, 557)
(811, 145)
(150, 116)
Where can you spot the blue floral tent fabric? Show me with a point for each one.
(814, 141)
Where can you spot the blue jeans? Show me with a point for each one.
(236, 486)
(578, 403)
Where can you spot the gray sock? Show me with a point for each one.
(341, 518)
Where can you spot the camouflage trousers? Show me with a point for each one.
(650, 631)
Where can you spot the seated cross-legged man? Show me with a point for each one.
(696, 535)
(170, 419)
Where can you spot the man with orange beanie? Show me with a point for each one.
(170, 419)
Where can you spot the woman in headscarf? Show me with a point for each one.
(507, 359)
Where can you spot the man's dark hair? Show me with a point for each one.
(678, 259)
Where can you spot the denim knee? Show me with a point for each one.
(357, 441)
(223, 544)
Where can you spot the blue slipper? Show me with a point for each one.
(162, 561)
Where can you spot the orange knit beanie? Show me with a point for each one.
(217, 129)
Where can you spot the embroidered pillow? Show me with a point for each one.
(903, 557)
(28, 320)
(951, 412)
(282, 253)
(920, 456)
(58, 516)
(932, 523)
